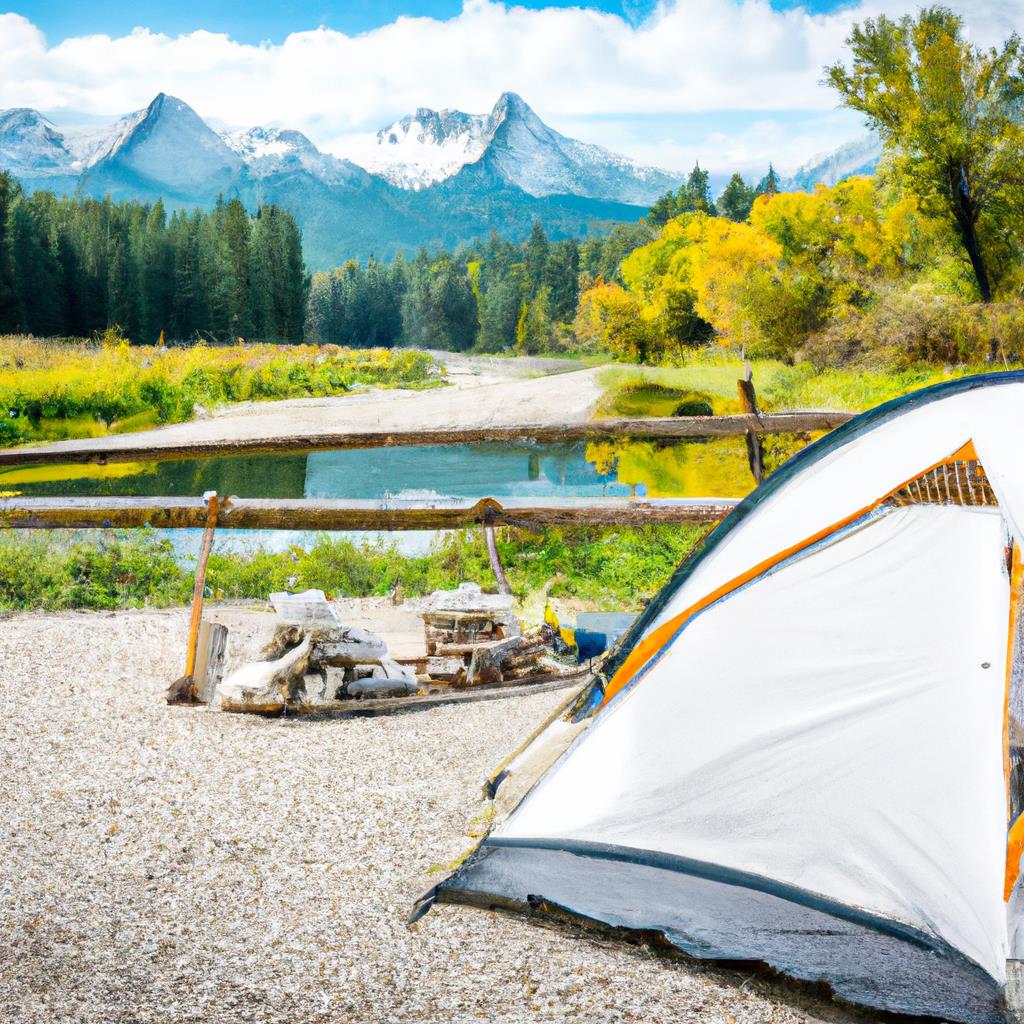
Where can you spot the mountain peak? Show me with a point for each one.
(512, 101)
(168, 142)
(513, 143)
(270, 151)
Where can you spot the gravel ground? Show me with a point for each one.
(172, 864)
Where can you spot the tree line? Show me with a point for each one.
(76, 266)
(495, 295)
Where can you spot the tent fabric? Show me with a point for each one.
(820, 722)
(824, 736)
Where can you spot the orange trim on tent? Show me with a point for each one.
(654, 642)
(1014, 849)
(1015, 839)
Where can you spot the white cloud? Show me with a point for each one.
(569, 63)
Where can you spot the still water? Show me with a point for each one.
(716, 468)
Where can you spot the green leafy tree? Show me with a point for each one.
(692, 197)
(950, 113)
(736, 200)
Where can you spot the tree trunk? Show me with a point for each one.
(965, 213)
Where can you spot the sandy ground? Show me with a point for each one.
(174, 864)
(483, 392)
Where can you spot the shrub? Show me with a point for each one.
(920, 324)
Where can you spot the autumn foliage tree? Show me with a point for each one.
(765, 284)
(950, 113)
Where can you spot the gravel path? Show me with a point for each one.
(170, 864)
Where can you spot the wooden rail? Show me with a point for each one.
(668, 428)
(313, 514)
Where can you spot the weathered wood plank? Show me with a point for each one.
(122, 449)
(211, 657)
(312, 514)
(389, 705)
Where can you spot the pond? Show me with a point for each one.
(715, 468)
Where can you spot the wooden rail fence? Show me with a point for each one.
(212, 513)
(315, 514)
(667, 428)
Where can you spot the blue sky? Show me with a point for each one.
(731, 83)
(258, 20)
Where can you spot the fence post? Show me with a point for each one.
(748, 405)
(496, 567)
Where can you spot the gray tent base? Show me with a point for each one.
(892, 969)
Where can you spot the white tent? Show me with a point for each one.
(804, 752)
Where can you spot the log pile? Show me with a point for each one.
(314, 661)
(475, 639)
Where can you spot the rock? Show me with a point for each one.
(285, 638)
(393, 670)
(335, 681)
(468, 597)
(265, 686)
(310, 608)
(311, 691)
(387, 687)
(350, 652)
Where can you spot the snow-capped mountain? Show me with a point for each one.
(499, 171)
(269, 151)
(424, 148)
(431, 146)
(167, 143)
(92, 145)
(860, 156)
(31, 144)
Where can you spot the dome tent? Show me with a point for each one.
(807, 750)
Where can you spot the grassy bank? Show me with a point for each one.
(660, 391)
(606, 567)
(56, 389)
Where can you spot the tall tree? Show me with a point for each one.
(950, 112)
(736, 200)
(769, 184)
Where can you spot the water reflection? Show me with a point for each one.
(714, 468)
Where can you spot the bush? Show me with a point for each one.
(920, 325)
(610, 568)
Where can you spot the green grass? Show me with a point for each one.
(648, 391)
(50, 390)
(607, 568)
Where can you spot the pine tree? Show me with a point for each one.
(769, 184)
(736, 199)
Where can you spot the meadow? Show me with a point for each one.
(601, 567)
(57, 389)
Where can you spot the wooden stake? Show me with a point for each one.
(212, 507)
(496, 566)
(755, 448)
